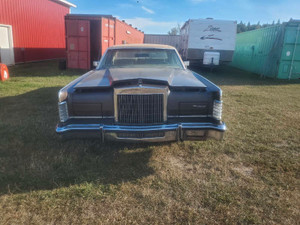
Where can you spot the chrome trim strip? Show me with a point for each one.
(190, 116)
(62, 103)
(171, 135)
(91, 117)
(163, 127)
(112, 117)
(218, 101)
(221, 127)
(77, 127)
(173, 132)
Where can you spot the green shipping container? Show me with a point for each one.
(271, 52)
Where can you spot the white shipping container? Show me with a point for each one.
(164, 39)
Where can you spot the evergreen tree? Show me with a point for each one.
(248, 26)
(258, 25)
(242, 27)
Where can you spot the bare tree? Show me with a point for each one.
(175, 30)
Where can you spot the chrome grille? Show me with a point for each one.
(140, 108)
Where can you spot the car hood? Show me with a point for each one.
(168, 76)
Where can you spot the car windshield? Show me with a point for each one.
(117, 58)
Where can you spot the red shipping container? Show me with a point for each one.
(78, 43)
(108, 33)
(88, 37)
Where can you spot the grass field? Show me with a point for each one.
(251, 177)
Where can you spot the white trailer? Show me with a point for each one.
(208, 41)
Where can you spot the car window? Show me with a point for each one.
(141, 58)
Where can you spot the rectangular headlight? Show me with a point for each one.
(217, 110)
(63, 111)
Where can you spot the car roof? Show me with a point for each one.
(130, 46)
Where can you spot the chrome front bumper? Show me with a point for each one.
(159, 133)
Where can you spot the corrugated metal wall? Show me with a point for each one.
(100, 32)
(289, 65)
(38, 28)
(270, 51)
(78, 42)
(173, 40)
(253, 48)
(126, 34)
(108, 29)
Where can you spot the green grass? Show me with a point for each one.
(251, 177)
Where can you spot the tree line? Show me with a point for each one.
(243, 27)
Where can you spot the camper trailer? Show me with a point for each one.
(208, 42)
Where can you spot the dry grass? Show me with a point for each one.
(252, 177)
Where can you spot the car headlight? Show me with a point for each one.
(62, 95)
(217, 109)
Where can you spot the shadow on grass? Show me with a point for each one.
(42, 69)
(32, 157)
(222, 75)
(227, 75)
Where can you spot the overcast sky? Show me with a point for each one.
(159, 16)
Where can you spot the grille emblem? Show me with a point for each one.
(140, 82)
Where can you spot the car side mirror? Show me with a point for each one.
(96, 63)
(186, 63)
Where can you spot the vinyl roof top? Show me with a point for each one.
(141, 46)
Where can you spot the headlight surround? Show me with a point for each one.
(217, 109)
(63, 111)
(62, 95)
